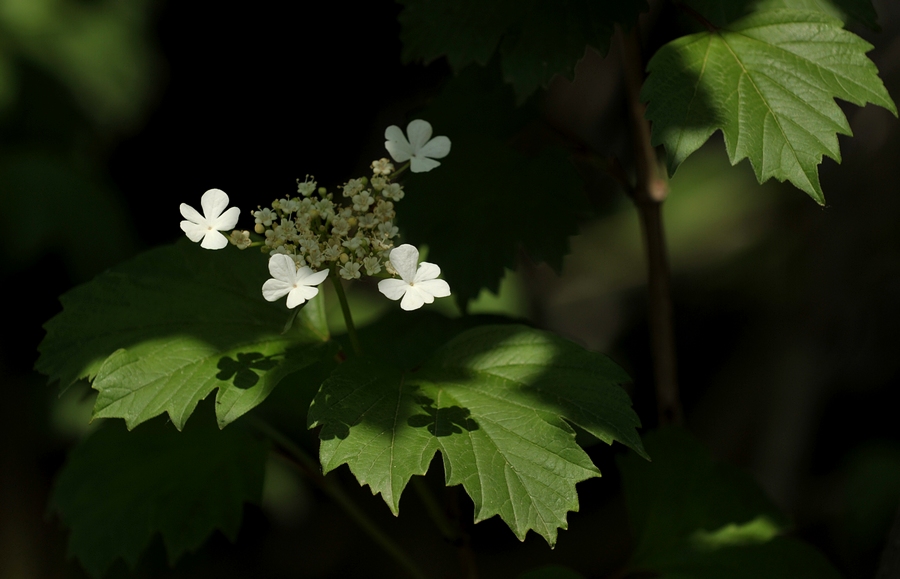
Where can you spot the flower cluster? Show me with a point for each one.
(350, 231)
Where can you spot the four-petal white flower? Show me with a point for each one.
(213, 220)
(297, 284)
(418, 286)
(421, 150)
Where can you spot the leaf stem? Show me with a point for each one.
(345, 309)
(649, 192)
(311, 470)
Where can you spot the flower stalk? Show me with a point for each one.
(348, 317)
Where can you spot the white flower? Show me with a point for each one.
(297, 284)
(418, 286)
(213, 220)
(421, 149)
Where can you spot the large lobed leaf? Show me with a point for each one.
(697, 519)
(119, 489)
(768, 82)
(497, 402)
(162, 331)
(536, 38)
(514, 201)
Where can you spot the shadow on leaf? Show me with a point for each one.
(240, 370)
(442, 421)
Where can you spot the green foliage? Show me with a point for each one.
(483, 185)
(768, 82)
(160, 332)
(536, 38)
(723, 12)
(696, 519)
(496, 401)
(120, 488)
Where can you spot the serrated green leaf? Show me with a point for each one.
(537, 38)
(696, 519)
(724, 12)
(861, 11)
(489, 189)
(160, 332)
(496, 401)
(768, 82)
(119, 488)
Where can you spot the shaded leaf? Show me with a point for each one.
(536, 38)
(160, 332)
(697, 519)
(487, 200)
(119, 488)
(768, 82)
(497, 402)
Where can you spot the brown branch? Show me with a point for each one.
(650, 191)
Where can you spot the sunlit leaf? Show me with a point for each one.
(768, 82)
(162, 331)
(119, 489)
(497, 403)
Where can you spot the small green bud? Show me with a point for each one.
(259, 228)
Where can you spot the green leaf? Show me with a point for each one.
(160, 332)
(484, 187)
(696, 519)
(724, 12)
(497, 402)
(768, 82)
(119, 488)
(536, 38)
(861, 11)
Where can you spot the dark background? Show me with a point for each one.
(113, 113)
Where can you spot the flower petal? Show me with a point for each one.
(435, 287)
(436, 148)
(405, 258)
(415, 299)
(422, 164)
(191, 214)
(300, 294)
(227, 220)
(282, 268)
(275, 289)
(419, 132)
(396, 144)
(213, 240)
(214, 202)
(426, 272)
(393, 289)
(312, 278)
(194, 231)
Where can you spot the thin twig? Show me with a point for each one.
(311, 470)
(650, 191)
